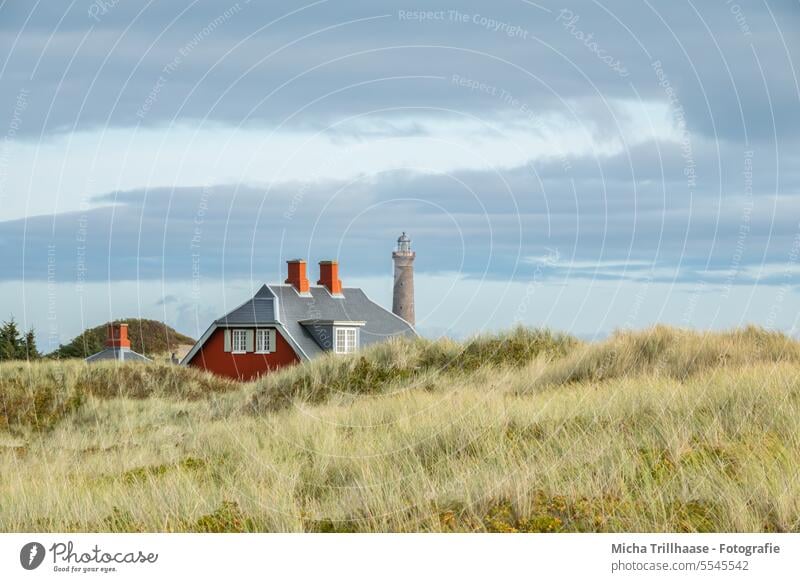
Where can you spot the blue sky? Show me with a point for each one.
(586, 166)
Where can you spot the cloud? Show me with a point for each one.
(307, 65)
(602, 217)
(168, 300)
(614, 144)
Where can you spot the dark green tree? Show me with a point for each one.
(28, 350)
(9, 340)
(15, 346)
(82, 346)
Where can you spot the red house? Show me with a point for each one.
(285, 324)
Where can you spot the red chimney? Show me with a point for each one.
(118, 336)
(297, 275)
(329, 276)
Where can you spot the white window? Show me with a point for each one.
(346, 340)
(265, 341)
(239, 341)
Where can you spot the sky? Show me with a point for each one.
(586, 166)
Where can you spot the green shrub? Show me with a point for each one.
(227, 518)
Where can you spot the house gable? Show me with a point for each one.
(213, 356)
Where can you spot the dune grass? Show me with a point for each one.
(670, 352)
(40, 394)
(406, 365)
(662, 430)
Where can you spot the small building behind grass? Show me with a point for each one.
(118, 347)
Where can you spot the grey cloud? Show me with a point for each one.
(133, 65)
(168, 300)
(479, 223)
(120, 68)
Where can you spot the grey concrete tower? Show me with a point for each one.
(403, 300)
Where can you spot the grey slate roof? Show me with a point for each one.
(259, 309)
(283, 307)
(292, 308)
(120, 354)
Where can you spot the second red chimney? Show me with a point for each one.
(329, 276)
(297, 275)
(118, 336)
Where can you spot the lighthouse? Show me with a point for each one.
(403, 299)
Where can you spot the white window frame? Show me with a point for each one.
(239, 341)
(349, 346)
(260, 335)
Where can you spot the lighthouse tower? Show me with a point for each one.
(403, 301)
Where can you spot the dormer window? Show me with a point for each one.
(346, 340)
(336, 335)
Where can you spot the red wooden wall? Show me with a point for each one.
(213, 357)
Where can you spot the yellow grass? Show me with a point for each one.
(662, 430)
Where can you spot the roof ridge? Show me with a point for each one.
(392, 313)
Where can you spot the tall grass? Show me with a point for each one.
(483, 449)
(406, 365)
(669, 352)
(39, 394)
